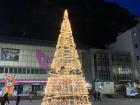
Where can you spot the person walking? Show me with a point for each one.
(6, 98)
(18, 100)
(2, 101)
(98, 96)
(95, 96)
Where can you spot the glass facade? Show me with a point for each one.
(102, 67)
(111, 65)
(121, 66)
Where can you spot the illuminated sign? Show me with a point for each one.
(28, 81)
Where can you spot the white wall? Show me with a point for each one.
(27, 55)
(123, 43)
(126, 42)
(105, 87)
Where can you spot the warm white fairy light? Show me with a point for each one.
(66, 86)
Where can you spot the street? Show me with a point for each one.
(105, 101)
(121, 101)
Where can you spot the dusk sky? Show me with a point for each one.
(132, 5)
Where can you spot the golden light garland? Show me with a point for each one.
(66, 84)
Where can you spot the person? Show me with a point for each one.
(132, 95)
(18, 100)
(6, 98)
(2, 101)
(30, 97)
(98, 96)
(95, 96)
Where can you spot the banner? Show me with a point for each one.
(9, 84)
(8, 54)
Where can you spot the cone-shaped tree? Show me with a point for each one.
(66, 86)
(66, 54)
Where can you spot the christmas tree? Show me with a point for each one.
(66, 84)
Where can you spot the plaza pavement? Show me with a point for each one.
(118, 101)
(105, 101)
(26, 102)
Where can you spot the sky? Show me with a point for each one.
(132, 5)
(94, 22)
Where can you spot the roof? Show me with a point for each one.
(29, 41)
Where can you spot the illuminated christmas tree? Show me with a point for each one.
(66, 84)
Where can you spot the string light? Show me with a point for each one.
(66, 84)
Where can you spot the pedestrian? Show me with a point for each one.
(132, 95)
(30, 97)
(6, 98)
(95, 96)
(2, 101)
(98, 96)
(18, 100)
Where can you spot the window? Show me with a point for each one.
(136, 45)
(135, 33)
(6, 70)
(10, 70)
(112, 58)
(24, 71)
(138, 71)
(32, 71)
(42, 71)
(15, 70)
(28, 71)
(19, 70)
(1, 70)
(36, 71)
(138, 58)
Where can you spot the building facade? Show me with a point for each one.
(29, 61)
(111, 66)
(130, 41)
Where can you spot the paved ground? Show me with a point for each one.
(26, 102)
(122, 101)
(105, 101)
